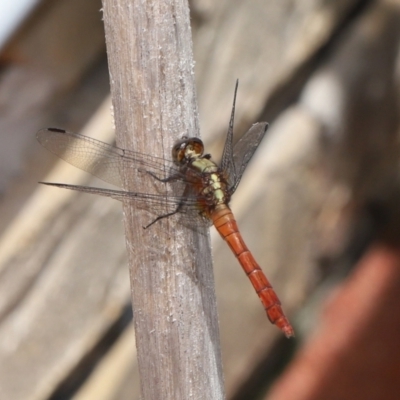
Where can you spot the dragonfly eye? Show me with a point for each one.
(187, 149)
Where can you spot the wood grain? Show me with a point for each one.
(152, 85)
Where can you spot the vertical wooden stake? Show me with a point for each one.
(152, 84)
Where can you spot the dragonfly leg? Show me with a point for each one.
(160, 217)
(165, 180)
(180, 204)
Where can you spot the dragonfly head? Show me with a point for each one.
(187, 149)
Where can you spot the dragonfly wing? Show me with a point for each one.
(101, 159)
(244, 150)
(187, 207)
(227, 162)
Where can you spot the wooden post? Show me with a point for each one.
(152, 84)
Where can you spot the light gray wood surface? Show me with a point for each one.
(150, 57)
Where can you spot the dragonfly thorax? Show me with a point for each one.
(203, 173)
(212, 186)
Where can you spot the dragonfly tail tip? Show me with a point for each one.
(288, 331)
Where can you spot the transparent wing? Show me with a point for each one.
(227, 162)
(101, 159)
(244, 150)
(157, 204)
(235, 158)
(108, 163)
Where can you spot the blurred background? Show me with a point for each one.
(318, 205)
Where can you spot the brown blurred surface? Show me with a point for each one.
(354, 353)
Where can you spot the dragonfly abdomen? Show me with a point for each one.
(225, 223)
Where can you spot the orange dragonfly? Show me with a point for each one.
(192, 186)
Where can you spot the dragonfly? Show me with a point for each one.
(190, 185)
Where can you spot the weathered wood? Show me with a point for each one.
(264, 44)
(42, 66)
(59, 290)
(119, 364)
(151, 68)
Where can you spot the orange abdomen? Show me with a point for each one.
(226, 225)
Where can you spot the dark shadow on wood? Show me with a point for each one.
(267, 370)
(72, 383)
